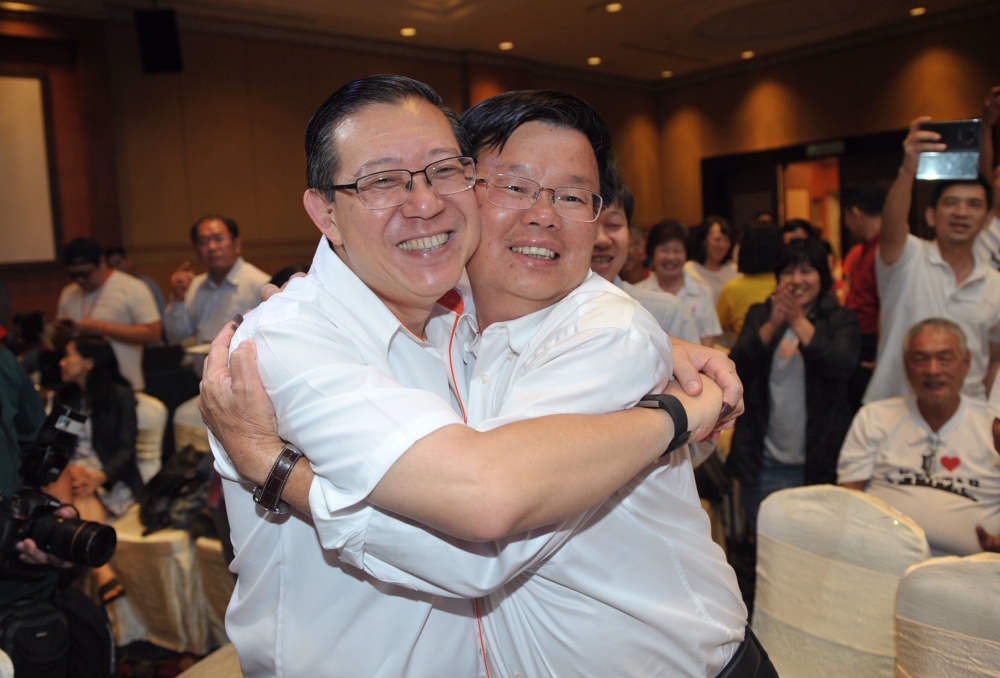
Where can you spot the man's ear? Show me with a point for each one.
(321, 212)
(929, 216)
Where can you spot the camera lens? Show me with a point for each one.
(79, 541)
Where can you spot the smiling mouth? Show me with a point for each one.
(429, 244)
(535, 252)
(601, 261)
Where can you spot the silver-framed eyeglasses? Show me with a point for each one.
(390, 188)
(518, 193)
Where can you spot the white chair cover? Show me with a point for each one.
(152, 416)
(223, 663)
(948, 618)
(218, 583)
(829, 562)
(189, 429)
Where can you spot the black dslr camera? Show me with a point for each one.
(30, 513)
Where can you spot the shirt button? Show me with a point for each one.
(518, 675)
(484, 378)
(496, 603)
(511, 356)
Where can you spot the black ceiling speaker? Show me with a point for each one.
(159, 44)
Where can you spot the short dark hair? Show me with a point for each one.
(799, 224)
(664, 232)
(113, 250)
(809, 252)
(868, 197)
(491, 122)
(698, 251)
(759, 249)
(941, 186)
(82, 251)
(234, 228)
(322, 160)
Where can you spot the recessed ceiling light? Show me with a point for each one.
(594, 61)
(613, 7)
(747, 54)
(666, 74)
(918, 11)
(505, 46)
(407, 32)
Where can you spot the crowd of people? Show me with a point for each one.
(464, 432)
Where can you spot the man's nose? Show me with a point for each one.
(543, 211)
(422, 201)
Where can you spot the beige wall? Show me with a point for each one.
(881, 86)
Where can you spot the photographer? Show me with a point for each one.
(65, 630)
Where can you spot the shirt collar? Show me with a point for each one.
(619, 283)
(949, 426)
(934, 256)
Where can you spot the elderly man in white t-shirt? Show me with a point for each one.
(944, 277)
(930, 455)
(353, 361)
(107, 303)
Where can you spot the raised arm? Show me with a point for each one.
(895, 215)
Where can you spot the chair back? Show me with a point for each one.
(948, 618)
(152, 419)
(189, 429)
(829, 561)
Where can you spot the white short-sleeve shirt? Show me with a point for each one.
(698, 299)
(948, 481)
(667, 310)
(353, 387)
(122, 300)
(921, 285)
(636, 582)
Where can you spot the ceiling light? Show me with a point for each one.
(594, 61)
(613, 7)
(407, 32)
(747, 54)
(918, 11)
(19, 7)
(506, 46)
(666, 74)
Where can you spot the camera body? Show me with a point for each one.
(961, 159)
(31, 513)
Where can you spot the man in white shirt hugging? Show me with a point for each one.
(547, 337)
(930, 455)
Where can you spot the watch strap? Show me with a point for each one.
(672, 406)
(268, 496)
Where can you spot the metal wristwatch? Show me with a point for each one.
(672, 406)
(268, 496)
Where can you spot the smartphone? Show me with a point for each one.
(961, 159)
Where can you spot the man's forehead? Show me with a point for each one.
(934, 339)
(967, 191)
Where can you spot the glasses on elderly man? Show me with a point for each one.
(518, 193)
(392, 187)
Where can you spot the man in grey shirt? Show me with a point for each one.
(200, 305)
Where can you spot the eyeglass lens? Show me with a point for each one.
(513, 192)
(391, 188)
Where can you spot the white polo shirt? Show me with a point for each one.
(122, 300)
(698, 299)
(633, 587)
(988, 243)
(668, 311)
(353, 387)
(921, 285)
(890, 443)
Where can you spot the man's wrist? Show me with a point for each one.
(257, 458)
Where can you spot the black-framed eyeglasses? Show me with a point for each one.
(380, 190)
(518, 193)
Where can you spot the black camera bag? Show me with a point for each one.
(35, 634)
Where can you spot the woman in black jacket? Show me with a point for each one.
(795, 355)
(103, 471)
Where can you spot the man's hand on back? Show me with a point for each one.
(236, 408)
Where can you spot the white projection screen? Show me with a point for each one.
(27, 228)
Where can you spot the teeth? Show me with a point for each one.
(424, 244)
(537, 252)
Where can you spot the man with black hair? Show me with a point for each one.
(104, 302)
(407, 242)
(119, 260)
(942, 278)
(861, 205)
(201, 304)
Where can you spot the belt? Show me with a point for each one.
(750, 661)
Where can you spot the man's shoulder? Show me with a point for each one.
(597, 303)
(253, 274)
